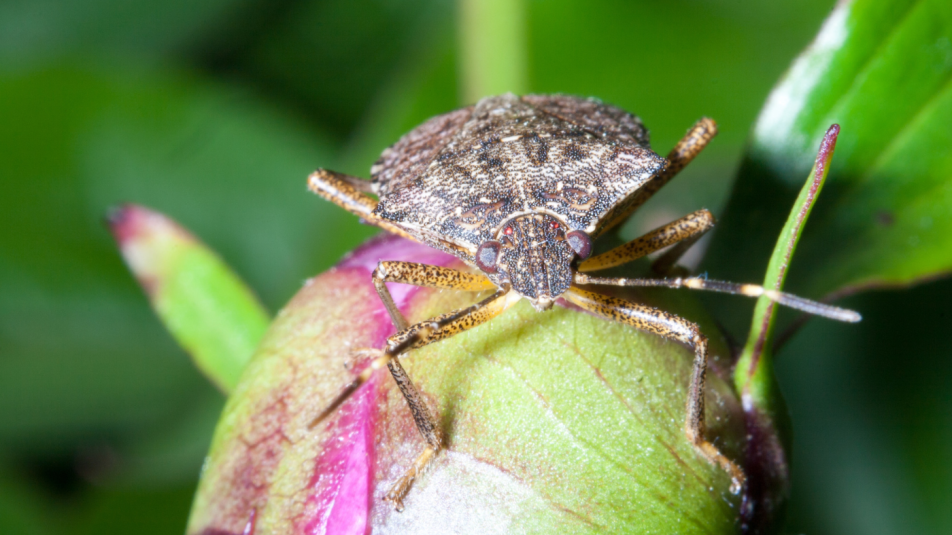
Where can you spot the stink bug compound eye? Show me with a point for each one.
(486, 256)
(520, 188)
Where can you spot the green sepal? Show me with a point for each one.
(753, 375)
(207, 308)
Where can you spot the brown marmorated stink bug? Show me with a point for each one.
(519, 187)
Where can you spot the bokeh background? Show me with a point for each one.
(215, 112)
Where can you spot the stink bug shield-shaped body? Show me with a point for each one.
(518, 188)
(515, 175)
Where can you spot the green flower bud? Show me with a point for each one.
(553, 422)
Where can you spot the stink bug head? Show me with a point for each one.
(535, 258)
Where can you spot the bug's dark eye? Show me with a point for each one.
(580, 242)
(486, 256)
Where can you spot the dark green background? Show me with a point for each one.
(215, 112)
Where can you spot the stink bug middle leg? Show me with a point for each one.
(681, 233)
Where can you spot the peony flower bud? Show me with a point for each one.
(553, 422)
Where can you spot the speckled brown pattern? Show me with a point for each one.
(431, 276)
(697, 137)
(511, 157)
(403, 162)
(609, 122)
(536, 258)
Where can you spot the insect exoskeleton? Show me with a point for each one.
(520, 188)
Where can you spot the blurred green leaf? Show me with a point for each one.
(167, 453)
(206, 307)
(425, 87)
(143, 511)
(332, 59)
(38, 31)
(82, 354)
(882, 70)
(21, 506)
(872, 412)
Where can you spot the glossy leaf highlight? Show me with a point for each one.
(883, 71)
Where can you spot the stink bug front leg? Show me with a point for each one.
(350, 193)
(680, 156)
(422, 275)
(413, 337)
(669, 326)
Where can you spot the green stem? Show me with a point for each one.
(493, 47)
